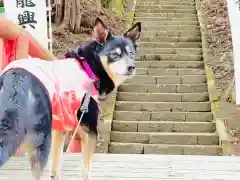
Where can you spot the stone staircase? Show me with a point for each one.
(165, 108)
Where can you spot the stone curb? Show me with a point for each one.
(107, 109)
(213, 95)
(108, 105)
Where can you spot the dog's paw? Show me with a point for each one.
(87, 177)
(86, 174)
(53, 178)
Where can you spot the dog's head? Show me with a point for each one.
(112, 58)
(118, 53)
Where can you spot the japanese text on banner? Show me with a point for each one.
(31, 15)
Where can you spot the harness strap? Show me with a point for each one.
(89, 72)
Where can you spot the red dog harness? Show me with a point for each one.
(67, 83)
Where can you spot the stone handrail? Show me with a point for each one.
(213, 95)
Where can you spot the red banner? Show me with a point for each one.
(8, 52)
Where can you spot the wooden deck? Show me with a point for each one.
(136, 167)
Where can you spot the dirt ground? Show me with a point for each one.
(63, 40)
(219, 42)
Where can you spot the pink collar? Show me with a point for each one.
(89, 71)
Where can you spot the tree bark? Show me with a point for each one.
(67, 12)
(59, 11)
(72, 21)
(78, 20)
(69, 16)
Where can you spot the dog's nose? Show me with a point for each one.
(131, 68)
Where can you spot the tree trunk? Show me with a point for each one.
(78, 20)
(67, 13)
(73, 15)
(59, 11)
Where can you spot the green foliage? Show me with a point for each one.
(117, 6)
(106, 3)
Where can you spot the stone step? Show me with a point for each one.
(169, 64)
(163, 19)
(166, 6)
(162, 97)
(163, 106)
(163, 116)
(166, 9)
(156, 39)
(169, 71)
(170, 45)
(170, 24)
(169, 57)
(171, 27)
(166, 149)
(184, 51)
(146, 9)
(180, 3)
(165, 138)
(164, 88)
(184, 79)
(171, 33)
(146, 14)
(160, 1)
(163, 126)
(148, 23)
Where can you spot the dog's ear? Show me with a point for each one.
(100, 30)
(99, 21)
(109, 36)
(134, 32)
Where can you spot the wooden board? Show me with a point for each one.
(136, 167)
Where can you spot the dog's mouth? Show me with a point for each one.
(126, 74)
(104, 61)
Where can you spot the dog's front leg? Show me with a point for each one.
(89, 145)
(58, 138)
(34, 163)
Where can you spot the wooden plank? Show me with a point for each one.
(135, 167)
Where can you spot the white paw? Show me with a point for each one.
(86, 174)
(54, 178)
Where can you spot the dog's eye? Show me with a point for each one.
(131, 55)
(113, 55)
(118, 50)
